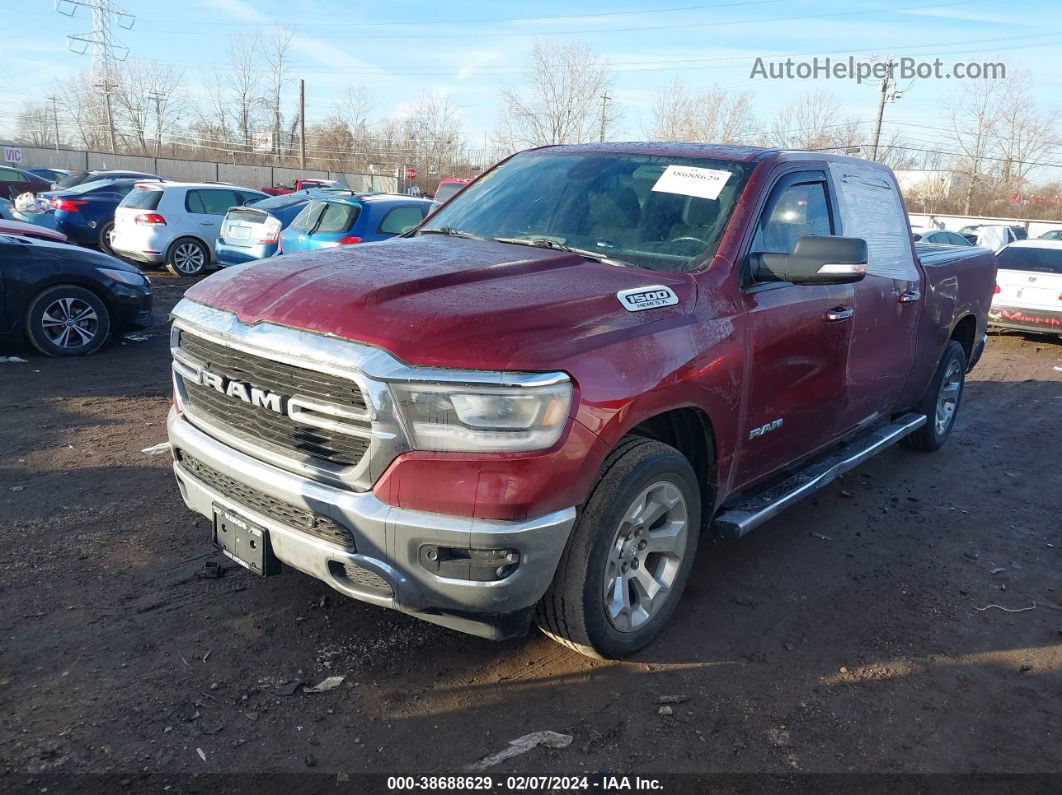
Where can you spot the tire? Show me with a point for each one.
(941, 402)
(67, 321)
(582, 607)
(187, 257)
(104, 239)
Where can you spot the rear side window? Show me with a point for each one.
(143, 199)
(401, 219)
(9, 175)
(1041, 260)
(210, 201)
(246, 197)
(337, 218)
(307, 219)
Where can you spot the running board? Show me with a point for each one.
(737, 518)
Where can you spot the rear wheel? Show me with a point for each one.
(187, 257)
(629, 556)
(67, 321)
(104, 239)
(941, 402)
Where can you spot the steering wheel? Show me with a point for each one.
(690, 237)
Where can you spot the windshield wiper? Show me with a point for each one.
(545, 242)
(447, 230)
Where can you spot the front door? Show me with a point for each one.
(798, 338)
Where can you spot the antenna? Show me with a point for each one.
(105, 47)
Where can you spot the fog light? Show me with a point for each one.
(475, 565)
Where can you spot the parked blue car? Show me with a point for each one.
(85, 212)
(341, 218)
(252, 232)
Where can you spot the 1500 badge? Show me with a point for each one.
(651, 297)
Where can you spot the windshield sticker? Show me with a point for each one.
(704, 183)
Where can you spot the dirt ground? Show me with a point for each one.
(847, 635)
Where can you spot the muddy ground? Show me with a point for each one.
(844, 636)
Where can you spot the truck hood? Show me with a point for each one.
(439, 301)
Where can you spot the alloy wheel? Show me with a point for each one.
(188, 258)
(948, 399)
(70, 323)
(645, 556)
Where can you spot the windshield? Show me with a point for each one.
(657, 212)
(1030, 258)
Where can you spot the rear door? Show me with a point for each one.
(12, 183)
(798, 338)
(207, 207)
(888, 301)
(333, 227)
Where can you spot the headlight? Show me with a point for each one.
(487, 418)
(125, 277)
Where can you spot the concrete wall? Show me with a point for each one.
(953, 223)
(247, 176)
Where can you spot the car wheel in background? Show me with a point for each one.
(187, 257)
(941, 402)
(629, 556)
(67, 321)
(104, 240)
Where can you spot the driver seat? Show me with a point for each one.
(698, 219)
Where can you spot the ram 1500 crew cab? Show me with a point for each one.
(529, 408)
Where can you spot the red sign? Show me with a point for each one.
(411, 173)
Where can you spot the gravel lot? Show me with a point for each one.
(844, 636)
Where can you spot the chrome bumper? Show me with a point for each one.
(387, 539)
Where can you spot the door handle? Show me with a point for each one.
(910, 296)
(839, 313)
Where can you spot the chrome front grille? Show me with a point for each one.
(319, 419)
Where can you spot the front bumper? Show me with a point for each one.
(388, 541)
(1022, 319)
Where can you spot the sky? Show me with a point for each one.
(469, 50)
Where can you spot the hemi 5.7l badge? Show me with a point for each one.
(651, 297)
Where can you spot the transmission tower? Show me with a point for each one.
(106, 49)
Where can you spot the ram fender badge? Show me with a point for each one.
(651, 297)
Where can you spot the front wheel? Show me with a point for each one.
(940, 404)
(187, 257)
(67, 321)
(629, 557)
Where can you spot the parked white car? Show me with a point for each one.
(1029, 287)
(175, 223)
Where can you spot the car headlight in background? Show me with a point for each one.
(483, 418)
(125, 277)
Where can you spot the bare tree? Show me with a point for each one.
(147, 99)
(82, 104)
(245, 85)
(561, 100)
(974, 114)
(1025, 134)
(711, 116)
(813, 121)
(277, 58)
(35, 125)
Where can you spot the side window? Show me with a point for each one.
(247, 197)
(336, 218)
(123, 190)
(218, 202)
(193, 201)
(792, 212)
(307, 219)
(400, 219)
(7, 175)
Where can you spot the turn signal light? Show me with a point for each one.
(150, 219)
(347, 241)
(998, 290)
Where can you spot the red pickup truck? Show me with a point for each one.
(528, 409)
(302, 184)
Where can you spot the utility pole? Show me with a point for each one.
(55, 118)
(155, 95)
(107, 86)
(302, 123)
(604, 103)
(887, 93)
